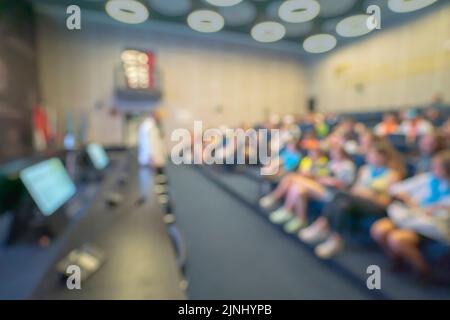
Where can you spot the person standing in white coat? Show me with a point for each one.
(151, 150)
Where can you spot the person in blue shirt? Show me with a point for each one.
(421, 211)
(290, 157)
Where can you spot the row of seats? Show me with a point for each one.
(436, 252)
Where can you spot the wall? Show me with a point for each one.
(18, 85)
(397, 67)
(400, 67)
(200, 76)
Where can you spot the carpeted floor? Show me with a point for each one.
(235, 253)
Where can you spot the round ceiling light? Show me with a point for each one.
(354, 26)
(127, 11)
(205, 21)
(403, 6)
(268, 31)
(172, 8)
(319, 43)
(296, 11)
(223, 3)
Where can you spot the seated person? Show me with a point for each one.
(331, 119)
(429, 145)
(321, 127)
(414, 126)
(437, 102)
(434, 116)
(357, 149)
(360, 128)
(348, 129)
(340, 175)
(291, 127)
(368, 197)
(288, 161)
(312, 165)
(388, 126)
(424, 205)
(309, 141)
(287, 131)
(365, 141)
(347, 134)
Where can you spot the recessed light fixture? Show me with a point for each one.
(354, 26)
(268, 31)
(205, 21)
(127, 11)
(320, 43)
(296, 11)
(403, 6)
(223, 3)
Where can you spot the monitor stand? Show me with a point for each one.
(30, 226)
(90, 175)
(86, 172)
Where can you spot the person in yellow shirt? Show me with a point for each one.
(314, 165)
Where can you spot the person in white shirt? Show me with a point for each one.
(421, 209)
(415, 126)
(151, 150)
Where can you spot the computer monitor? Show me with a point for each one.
(98, 156)
(48, 184)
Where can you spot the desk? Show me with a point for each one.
(141, 261)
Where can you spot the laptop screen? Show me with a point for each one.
(48, 184)
(98, 156)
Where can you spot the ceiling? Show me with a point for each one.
(241, 18)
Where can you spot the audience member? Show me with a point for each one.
(421, 211)
(367, 198)
(389, 125)
(414, 126)
(299, 189)
(429, 145)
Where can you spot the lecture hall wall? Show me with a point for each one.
(394, 68)
(202, 79)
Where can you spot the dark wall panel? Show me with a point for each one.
(18, 79)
